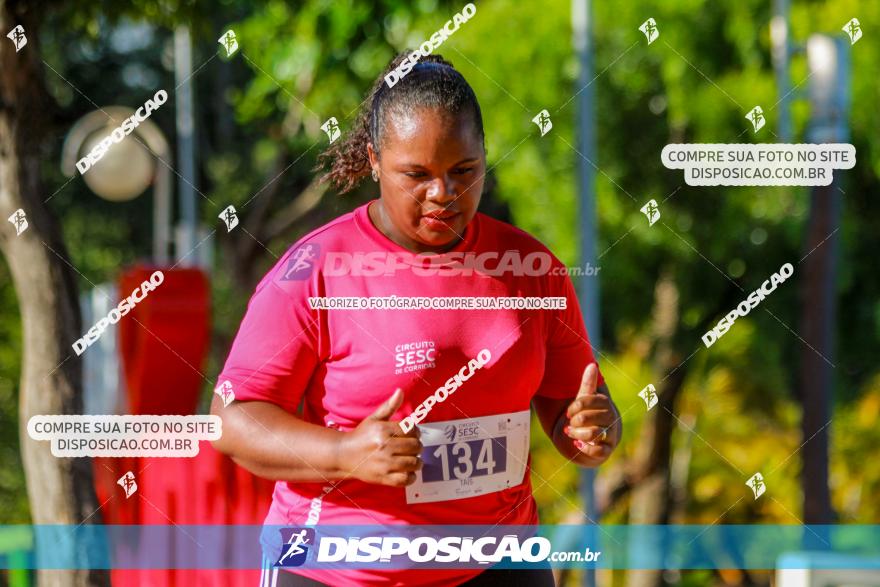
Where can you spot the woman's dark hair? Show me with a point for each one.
(433, 82)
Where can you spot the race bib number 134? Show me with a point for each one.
(469, 457)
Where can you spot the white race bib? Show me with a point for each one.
(473, 456)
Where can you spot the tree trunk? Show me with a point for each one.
(817, 324)
(651, 497)
(60, 490)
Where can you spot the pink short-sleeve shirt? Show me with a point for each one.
(338, 365)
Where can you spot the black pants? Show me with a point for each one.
(488, 578)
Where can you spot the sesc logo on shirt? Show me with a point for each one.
(301, 263)
(296, 546)
(414, 356)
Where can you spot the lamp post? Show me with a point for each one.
(123, 173)
(126, 169)
(828, 92)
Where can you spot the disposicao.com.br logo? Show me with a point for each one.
(438, 547)
(451, 264)
(484, 550)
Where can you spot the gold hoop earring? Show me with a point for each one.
(375, 175)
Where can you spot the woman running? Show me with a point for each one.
(385, 368)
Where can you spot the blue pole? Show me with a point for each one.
(588, 290)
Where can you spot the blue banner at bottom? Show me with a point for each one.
(441, 547)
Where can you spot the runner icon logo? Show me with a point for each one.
(449, 432)
(229, 42)
(295, 549)
(226, 393)
(128, 483)
(229, 217)
(756, 482)
(301, 262)
(19, 39)
(650, 30)
(331, 127)
(756, 117)
(19, 221)
(652, 211)
(853, 29)
(542, 119)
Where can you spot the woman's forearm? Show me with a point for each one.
(274, 444)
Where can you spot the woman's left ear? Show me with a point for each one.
(371, 158)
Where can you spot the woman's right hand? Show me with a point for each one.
(378, 451)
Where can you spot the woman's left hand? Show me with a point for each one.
(593, 421)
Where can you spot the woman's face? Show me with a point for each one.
(431, 178)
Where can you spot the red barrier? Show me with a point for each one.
(163, 343)
(208, 489)
(164, 340)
